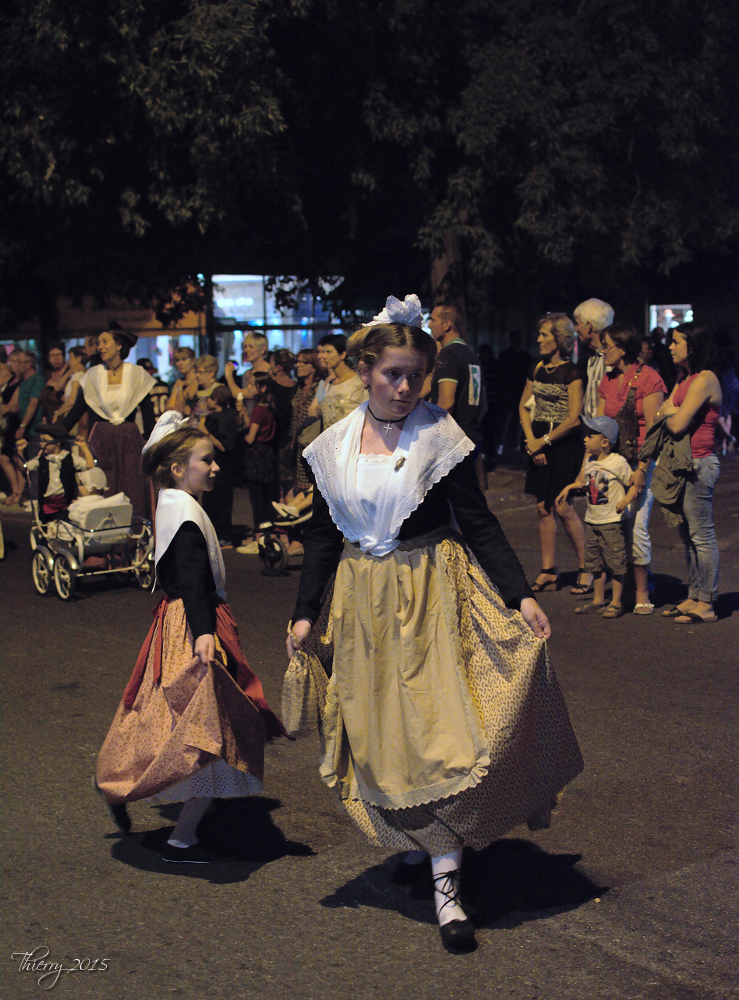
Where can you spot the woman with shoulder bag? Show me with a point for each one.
(693, 408)
(631, 393)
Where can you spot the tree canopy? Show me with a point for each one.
(566, 143)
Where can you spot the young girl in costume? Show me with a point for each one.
(426, 664)
(193, 720)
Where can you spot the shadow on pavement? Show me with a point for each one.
(726, 604)
(242, 830)
(512, 881)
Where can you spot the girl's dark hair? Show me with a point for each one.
(368, 343)
(624, 336)
(284, 359)
(186, 352)
(335, 340)
(174, 449)
(78, 352)
(702, 351)
(123, 338)
(222, 396)
(265, 397)
(56, 345)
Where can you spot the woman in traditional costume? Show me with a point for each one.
(193, 720)
(425, 665)
(111, 393)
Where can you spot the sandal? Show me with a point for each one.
(581, 589)
(673, 612)
(613, 611)
(537, 588)
(590, 609)
(691, 618)
(643, 609)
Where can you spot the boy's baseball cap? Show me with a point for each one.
(602, 425)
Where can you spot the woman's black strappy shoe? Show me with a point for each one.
(550, 584)
(456, 935)
(581, 589)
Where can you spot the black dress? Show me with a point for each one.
(564, 457)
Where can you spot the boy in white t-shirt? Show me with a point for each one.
(605, 479)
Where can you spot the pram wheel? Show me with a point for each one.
(273, 555)
(145, 576)
(41, 573)
(65, 577)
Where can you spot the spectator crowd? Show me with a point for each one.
(597, 412)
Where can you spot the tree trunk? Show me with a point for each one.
(447, 274)
(210, 327)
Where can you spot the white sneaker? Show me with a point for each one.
(250, 549)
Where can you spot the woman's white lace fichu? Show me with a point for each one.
(430, 445)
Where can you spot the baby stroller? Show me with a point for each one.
(103, 539)
(287, 527)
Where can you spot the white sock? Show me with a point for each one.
(192, 812)
(414, 857)
(446, 910)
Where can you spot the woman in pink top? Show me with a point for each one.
(693, 407)
(621, 347)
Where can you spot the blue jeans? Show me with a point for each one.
(640, 509)
(697, 530)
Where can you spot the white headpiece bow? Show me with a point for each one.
(395, 311)
(168, 423)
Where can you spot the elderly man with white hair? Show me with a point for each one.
(592, 317)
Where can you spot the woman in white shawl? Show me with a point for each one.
(425, 666)
(111, 393)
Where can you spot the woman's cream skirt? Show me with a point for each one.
(441, 720)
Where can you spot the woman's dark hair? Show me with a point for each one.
(123, 338)
(284, 359)
(626, 338)
(78, 352)
(335, 340)
(702, 350)
(309, 355)
(174, 449)
(368, 343)
(56, 345)
(265, 397)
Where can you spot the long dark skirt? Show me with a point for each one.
(118, 451)
(564, 461)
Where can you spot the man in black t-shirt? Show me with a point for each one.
(456, 381)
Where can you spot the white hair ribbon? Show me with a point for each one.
(167, 424)
(407, 312)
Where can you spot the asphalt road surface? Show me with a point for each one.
(631, 894)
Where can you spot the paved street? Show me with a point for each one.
(631, 894)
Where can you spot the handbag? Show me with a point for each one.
(530, 403)
(628, 423)
(309, 433)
